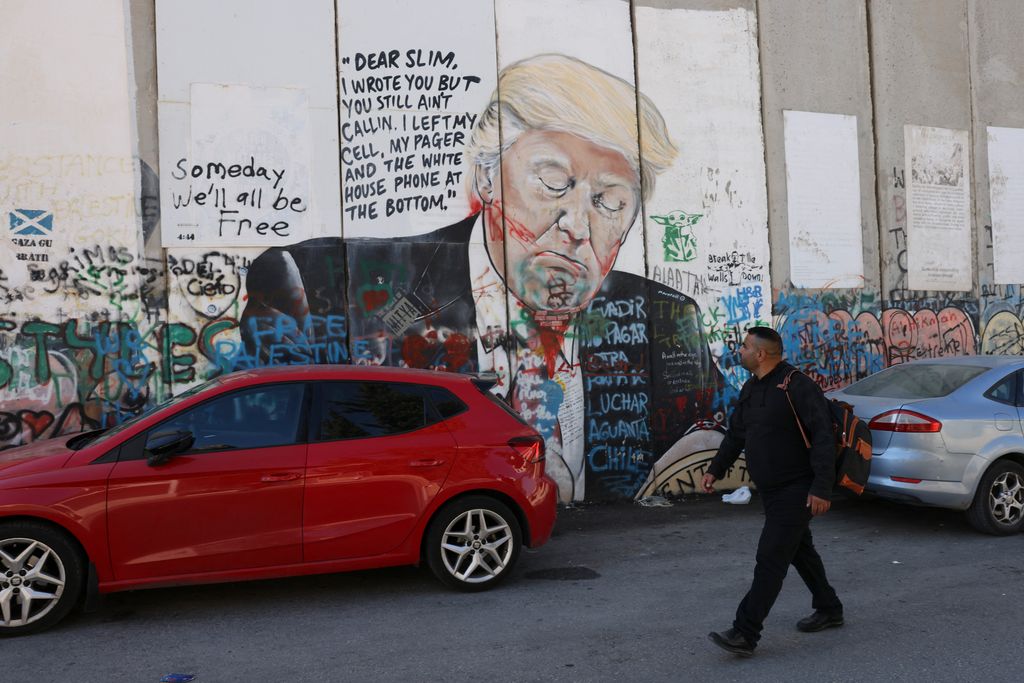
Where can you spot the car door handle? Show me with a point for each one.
(280, 476)
(426, 463)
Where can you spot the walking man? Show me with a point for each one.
(794, 482)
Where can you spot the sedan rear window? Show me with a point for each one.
(916, 380)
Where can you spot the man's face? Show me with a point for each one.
(748, 353)
(562, 206)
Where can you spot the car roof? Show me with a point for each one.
(986, 361)
(283, 373)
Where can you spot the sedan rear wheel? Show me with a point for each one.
(998, 506)
(473, 543)
(40, 577)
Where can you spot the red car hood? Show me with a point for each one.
(48, 454)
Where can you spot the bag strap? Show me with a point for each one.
(852, 430)
(785, 389)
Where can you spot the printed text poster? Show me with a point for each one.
(938, 209)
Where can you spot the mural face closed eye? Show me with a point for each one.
(565, 204)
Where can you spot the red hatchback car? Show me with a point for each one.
(274, 472)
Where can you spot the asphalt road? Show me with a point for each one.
(620, 593)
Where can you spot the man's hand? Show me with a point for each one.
(819, 506)
(708, 482)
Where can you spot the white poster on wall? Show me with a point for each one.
(938, 209)
(276, 67)
(823, 195)
(410, 92)
(1006, 189)
(245, 181)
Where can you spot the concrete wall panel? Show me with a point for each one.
(815, 58)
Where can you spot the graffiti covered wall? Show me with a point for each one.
(79, 332)
(579, 206)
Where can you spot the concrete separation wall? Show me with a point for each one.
(591, 198)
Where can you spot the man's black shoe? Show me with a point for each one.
(819, 621)
(733, 641)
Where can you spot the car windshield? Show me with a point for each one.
(102, 436)
(916, 380)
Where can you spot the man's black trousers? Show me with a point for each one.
(785, 540)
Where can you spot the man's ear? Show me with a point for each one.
(484, 184)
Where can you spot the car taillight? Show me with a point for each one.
(529, 449)
(901, 420)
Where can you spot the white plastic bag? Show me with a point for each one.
(740, 496)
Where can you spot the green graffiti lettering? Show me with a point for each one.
(6, 371)
(210, 331)
(41, 330)
(97, 344)
(177, 334)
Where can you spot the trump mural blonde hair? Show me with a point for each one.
(559, 93)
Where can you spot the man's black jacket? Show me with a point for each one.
(763, 423)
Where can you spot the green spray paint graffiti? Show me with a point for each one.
(679, 242)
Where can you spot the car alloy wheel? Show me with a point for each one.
(998, 506)
(473, 543)
(40, 577)
(476, 546)
(1006, 499)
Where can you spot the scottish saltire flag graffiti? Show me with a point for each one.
(31, 222)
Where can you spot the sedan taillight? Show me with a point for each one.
(902, 420)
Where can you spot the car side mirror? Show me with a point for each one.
(162, 446)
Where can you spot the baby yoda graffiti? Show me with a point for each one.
(679, 242)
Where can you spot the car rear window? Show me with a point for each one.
(916, 380)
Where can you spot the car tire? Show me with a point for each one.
(42, 563)
(473, 543)
(998, 506)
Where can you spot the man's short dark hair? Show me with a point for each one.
(770, 339)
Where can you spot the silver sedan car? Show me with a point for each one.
(947, 433)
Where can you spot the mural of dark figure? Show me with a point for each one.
(524, 286)
(795, 484)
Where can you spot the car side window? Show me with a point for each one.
(446, 403)
(251, 418)
(1005, 390)
(359, 410)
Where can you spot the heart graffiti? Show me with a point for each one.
(37, 422)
